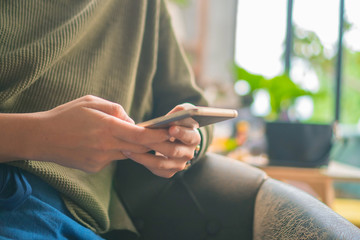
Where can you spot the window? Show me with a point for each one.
(313, 63)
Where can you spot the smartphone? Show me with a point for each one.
(202, 115)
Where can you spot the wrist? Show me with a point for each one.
(17, 136)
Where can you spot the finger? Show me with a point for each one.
(105, 106)
(187, 122)
(181, 107)
(121, 155)
(125, 146)
(158, 164)
(175, 150)
(137, 135)
(187, 136)
(104, 144)
(117, 155)
(129, 136)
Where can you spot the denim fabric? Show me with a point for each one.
(39, 215)
(14, 188)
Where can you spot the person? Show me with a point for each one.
(75, 78)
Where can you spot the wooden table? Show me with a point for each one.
(315, 181)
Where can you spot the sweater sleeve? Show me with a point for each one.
(174, 81)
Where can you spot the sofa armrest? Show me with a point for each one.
(285, 212)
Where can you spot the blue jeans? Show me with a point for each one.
(31, 209)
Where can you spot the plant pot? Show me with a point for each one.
(298, 144)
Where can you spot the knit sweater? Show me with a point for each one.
(52, 52)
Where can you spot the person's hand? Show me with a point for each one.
(89, 133)
(172, 154)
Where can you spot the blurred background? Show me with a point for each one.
(278, 60)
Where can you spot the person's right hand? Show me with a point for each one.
(172, 155)
(89, 133)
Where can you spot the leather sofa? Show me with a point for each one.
(221, 198)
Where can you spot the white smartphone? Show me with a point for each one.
(202, 115)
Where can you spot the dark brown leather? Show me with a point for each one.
(284, 212)
(214, 199)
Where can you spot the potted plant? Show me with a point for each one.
(289, 142)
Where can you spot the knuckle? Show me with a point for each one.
(175, 152)
(160, 165)
(180, 133)
(109, 123)
(89, 98)
(196, 140)
(117, 109)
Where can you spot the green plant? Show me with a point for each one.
(282, 90)
(309, 48)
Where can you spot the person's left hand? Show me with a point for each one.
(172, 155)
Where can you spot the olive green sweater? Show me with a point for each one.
(52, 52)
